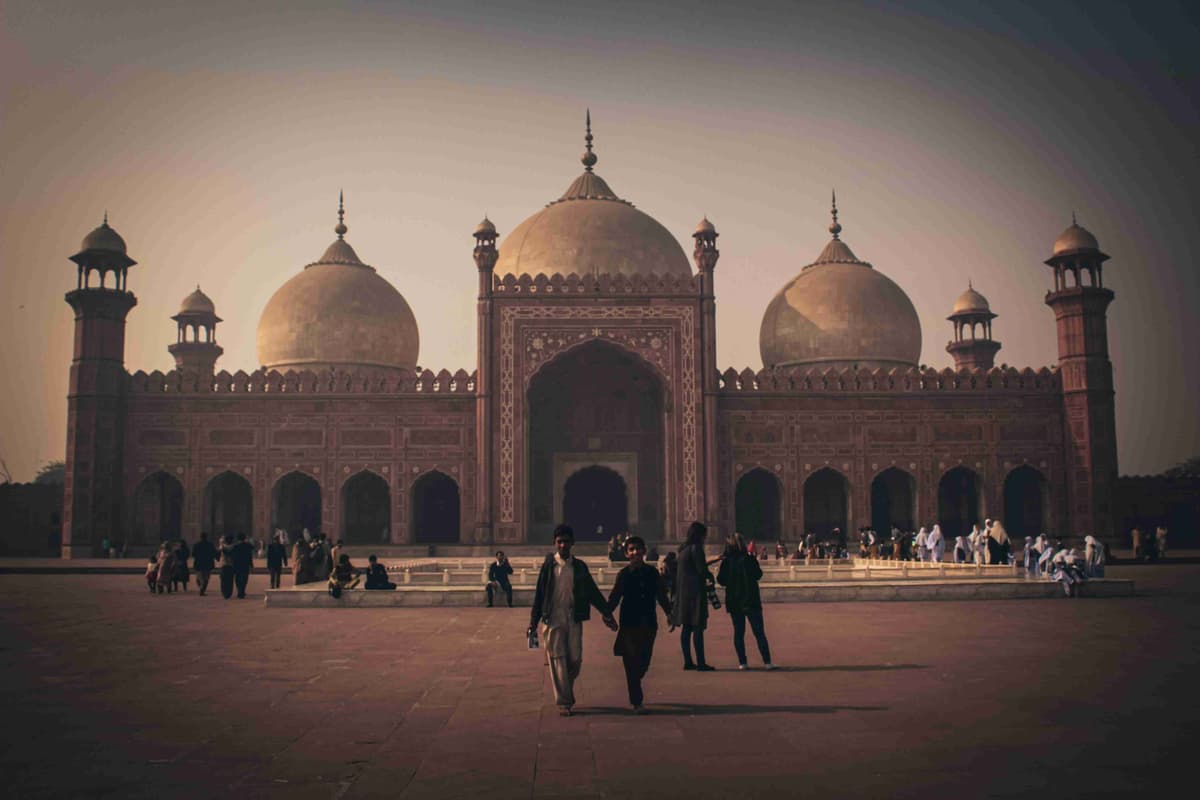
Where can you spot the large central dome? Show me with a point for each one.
(591, 231)
(340, 313)
(840, 313)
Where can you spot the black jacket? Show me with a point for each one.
(204, 555)
(636, 590)
(276, 555)
(585, 593)
(242, 557)
(499, 573)
(739, 574)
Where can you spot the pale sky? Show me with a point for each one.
(959, 136)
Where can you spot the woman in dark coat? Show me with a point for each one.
(690, 605)
(740, 574)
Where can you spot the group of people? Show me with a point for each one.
(566, 593)
(1149, 547)
(167, 569)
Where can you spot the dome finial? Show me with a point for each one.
(588, 158)
(105, 223)
(834, 227)
(1073, 222)
(340, 229)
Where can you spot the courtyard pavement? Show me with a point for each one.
(111, 692)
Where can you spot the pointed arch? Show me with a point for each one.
(960, 495)
(228, 505)
(436, 509)
(157, 509)
(826, 503)
(366, 509)
(1025, 502)
(296, 503)
(893, 501)
(757, 507)
(596, 503)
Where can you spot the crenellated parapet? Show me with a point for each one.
(263, 381)
(602, 284)
(895, 380)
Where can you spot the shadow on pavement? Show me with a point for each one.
(701, 710)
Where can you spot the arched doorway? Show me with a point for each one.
(366, 509)
(756, 506)
(296, 504)
(1024, 502)
(597, 404)
(228, 506)
(157, 509)
(958, 502)
(892, 494)
(435, 509)
(826, 503)
(595, 504)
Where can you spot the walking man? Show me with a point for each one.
(243, 562)
(204, 557)
(637, 589)
(561, 603)
(276, 561)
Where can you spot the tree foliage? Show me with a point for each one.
(1189, 467)
(51, 472)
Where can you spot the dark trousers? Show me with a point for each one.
(227, 581)
(241, 578)
(636, 646)
(275, 573)
(491, 590)
(739, 634)
(691, 634)
(202, 576)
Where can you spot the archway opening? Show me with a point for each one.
(366, 510)
(958, 502)
(1025, 502)
(892, 494)
(756, 506)
(595, 504)
(826, 504)
(435, 509)
(597, 404)
(228, 506)
(157, 509)
(296, 504)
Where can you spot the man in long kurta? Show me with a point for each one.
(561, 603)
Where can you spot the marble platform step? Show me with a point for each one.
(315, 595)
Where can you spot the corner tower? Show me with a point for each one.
(1080, 309)
(971, 317)
(196, 349)
(95, 398)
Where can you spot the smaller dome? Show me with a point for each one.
(485, 228)
(706, 227)
(969, 301)
(1075, 239)
(104, 239)
(197, 303)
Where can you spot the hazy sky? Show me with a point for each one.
(959, 137)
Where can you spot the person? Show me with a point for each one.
(335, 552)
(562, 602)
(689, 609)
(343, 576)
(936, 543)
(864, 543)
(780, 551)
(740, 575)
(276, 561)
(1002, 550)
(1160, 540)
(166, 568)
(637, 588)
(152, 572)
(377, 577)
(497, 578)
(225, 554)
(243, 561)
(961, 548)
(301, 560)
(324, 557)
(1136, 535)
(670, 571)
(752, 549)
(1093, 557)
(922, 544)
(180, 576)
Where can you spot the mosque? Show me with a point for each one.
(596, 399)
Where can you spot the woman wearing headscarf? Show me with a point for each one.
(961, 549)
(1003, 548)
(936, 543)
(1093, 557)
(978, 540)
(300, 562)
(922, 544)
(690, 607)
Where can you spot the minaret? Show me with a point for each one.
(973, 346)
(485, 262)
(706, 255)
(92, 497)
(1080, 308)
(196, 350)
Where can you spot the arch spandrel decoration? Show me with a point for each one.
(663, 336)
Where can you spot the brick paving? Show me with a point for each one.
(111, 692)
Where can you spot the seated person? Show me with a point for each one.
(344, 576)
(377, 577)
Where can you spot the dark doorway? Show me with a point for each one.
(366, 510)
(296, 504)
(1024, 502)
(958, 502)
(228, 506)
(756, 506)
(892, 494)
(597, 398)
(826, 503)
(158, 509)
(595, 504)
(435, 509)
